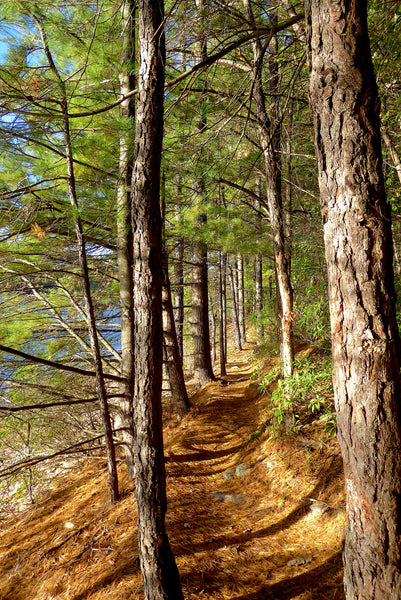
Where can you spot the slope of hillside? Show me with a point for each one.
(249, 517)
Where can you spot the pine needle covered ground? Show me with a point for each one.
(249, 517)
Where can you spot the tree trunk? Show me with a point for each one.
(268, 133)
(179, 291)
(234, 309)
(358, 246)
(392, 151)
(83, 265)
(260, 334)
(213, 328)
(178, 298)
(159, 571)
(287, 209)
(173, 360)
(258, 265)
(241, 299)
(124, 231)
(223, 313)
(203, 371)
(271, 140)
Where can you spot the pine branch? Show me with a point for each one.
(210, 60)
(56, 365)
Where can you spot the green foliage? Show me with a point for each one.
(256, 373)
(313, 321)
(306, 394)
(213, 170)
(269, 378)
(254, 437)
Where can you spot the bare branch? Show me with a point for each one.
(56, 365)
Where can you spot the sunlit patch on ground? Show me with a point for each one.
(248, 518)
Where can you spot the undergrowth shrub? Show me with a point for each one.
(313, 323)
(307, 394)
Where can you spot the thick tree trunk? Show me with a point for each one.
(173, 360)
(124, 231)
(159, 571)
(358, 244)
(203, 371)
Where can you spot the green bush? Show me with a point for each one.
(313, 323)
(307, 393)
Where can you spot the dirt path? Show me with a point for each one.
(257, 535)
(249, 518)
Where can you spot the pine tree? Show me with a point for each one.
(159, 571)
(365, 339)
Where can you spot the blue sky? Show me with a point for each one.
(3, 50)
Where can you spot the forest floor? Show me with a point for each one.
(251, 516)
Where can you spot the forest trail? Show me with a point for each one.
(249, 517)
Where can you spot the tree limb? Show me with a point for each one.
(211, 59)
(56, 365)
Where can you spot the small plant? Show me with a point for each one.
(255, 435)
(271, 376)
(329, 419)
(308, 392)
(313, 321)
(257, 372)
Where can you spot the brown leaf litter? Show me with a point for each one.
(248, 519)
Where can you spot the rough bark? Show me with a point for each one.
(203, 370)
(268, 136)
(260, 334)
(241, 299)
(287, 208)
(234, 309)
(392, 150)
(223, 313)
(179, 288)
(258, 267)
(212, 328)
(159, 571)
(124, 231)
(358, 246)
(172, 355)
